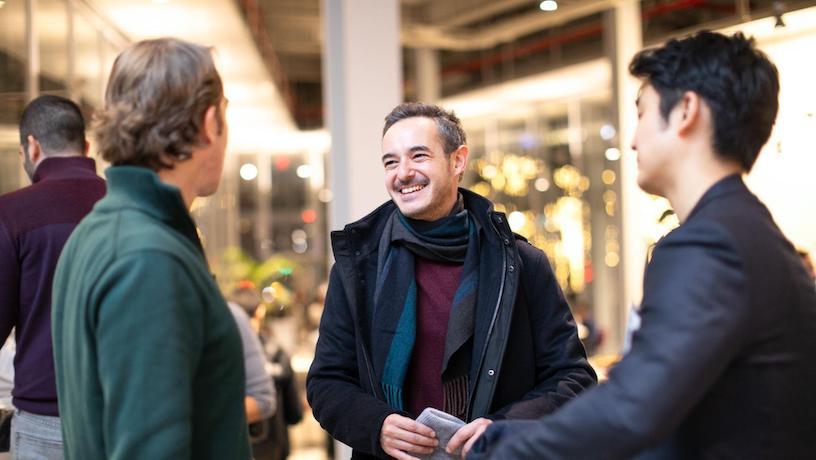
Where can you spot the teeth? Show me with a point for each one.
(412, 189)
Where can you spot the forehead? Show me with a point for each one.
(412, 130)
(647, 95)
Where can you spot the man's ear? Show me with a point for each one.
(460, 158)
(35, 153)
(689, 108)
(86, 149)
(212, 125)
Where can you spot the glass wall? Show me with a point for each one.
(545, 164)
(12, 61)
(73, 49)
(51, 25)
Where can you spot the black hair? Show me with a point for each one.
(737, 81)
(56, 123)
(450, 128)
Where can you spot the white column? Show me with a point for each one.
(363, 80)
(362, 77)
(428, 79)
(32, 86)
(624, 38)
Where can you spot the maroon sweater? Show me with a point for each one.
(436, 285)
(35, 222)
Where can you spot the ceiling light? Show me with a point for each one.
(304, 171)
(612, 154)
(248, 171)
(608, 132)
(548, 5)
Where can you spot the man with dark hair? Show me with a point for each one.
(35, 222)
(722, 365)
(435, 303)
(149, 361)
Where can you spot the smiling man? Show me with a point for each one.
(434, 302)
(722, 365)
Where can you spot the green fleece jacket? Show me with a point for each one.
(148, 358)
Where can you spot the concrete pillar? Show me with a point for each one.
(428, 77)
(623, 38)
(362, 77)
(32, 83)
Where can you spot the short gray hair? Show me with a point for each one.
(450, 128)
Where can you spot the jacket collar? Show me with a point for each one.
(141, 189)
(725, 186)
(55, 168)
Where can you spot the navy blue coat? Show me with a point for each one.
(527, 359)
(723, 365)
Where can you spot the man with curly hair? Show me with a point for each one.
(148, 358)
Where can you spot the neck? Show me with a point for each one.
(180, 178)
(695, 179)
(451, 206)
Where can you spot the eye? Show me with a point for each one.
(389, 164)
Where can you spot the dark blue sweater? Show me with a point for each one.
(35, 222)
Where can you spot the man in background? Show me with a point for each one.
(35, 222)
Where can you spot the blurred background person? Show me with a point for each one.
(272, 401)
(260, 393)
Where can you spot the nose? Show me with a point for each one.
(405, 172)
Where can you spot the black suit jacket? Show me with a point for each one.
(724, 365)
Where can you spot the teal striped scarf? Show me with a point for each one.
(451, 239)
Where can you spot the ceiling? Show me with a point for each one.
(257, 113)
(483, 42)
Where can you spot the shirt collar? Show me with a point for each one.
(55, 168)
(724, 186)
(140, 188)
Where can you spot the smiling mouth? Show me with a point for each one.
(411, 189)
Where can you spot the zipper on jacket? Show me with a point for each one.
(368, 369)
(492, 325)
(366, 359)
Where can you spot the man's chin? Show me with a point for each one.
(412, 212)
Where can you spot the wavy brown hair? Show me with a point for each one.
(157, 95)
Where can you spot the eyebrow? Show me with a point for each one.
(415, 148)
